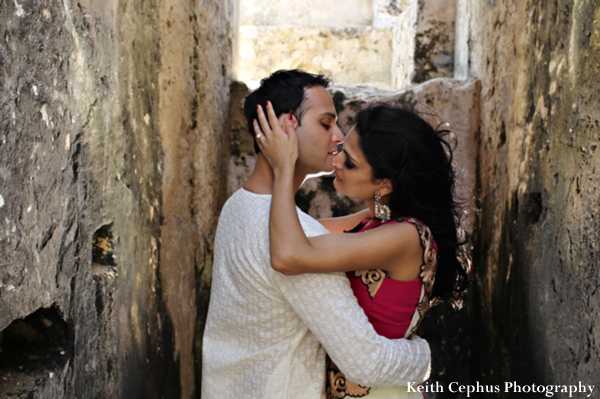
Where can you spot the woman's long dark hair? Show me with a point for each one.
(417, 159)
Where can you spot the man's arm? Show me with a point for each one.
(326, 303)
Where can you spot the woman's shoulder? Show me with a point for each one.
(425, 236)
(400, 225)
(404, 235)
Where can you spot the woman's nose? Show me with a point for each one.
(337, 160)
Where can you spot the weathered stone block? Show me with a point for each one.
(350, 55)
(434, 47)
(242, 157)
(339, 13)
(424, 39)
(387, 12)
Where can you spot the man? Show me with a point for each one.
(266, 333)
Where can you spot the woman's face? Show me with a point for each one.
(353, 175)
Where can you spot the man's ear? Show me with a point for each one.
(282, 118)
(385, 187)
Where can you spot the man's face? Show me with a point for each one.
(318, 135)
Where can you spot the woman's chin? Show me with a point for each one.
(337, 184)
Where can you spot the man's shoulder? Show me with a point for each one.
(240, 196)
(244, 218)
(310, 225)
(246, 202)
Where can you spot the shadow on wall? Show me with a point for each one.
(33, 349)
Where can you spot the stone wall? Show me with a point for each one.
(424, 39)
(111, 142)
(535, 302)
(336, 38)
(385, 43)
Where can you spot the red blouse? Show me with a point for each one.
(389, 304)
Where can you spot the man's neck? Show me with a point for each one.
(261, 179)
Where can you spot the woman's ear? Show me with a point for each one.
(385, 187)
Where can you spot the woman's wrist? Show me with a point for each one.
(283, 171)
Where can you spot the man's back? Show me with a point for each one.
(255, 344)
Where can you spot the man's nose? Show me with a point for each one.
(338, 135)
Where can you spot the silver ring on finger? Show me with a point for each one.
(258, 136)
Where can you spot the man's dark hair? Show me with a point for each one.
(285, 90)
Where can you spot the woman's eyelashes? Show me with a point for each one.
(326, 126)
(348, 164)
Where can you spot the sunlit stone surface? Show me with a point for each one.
(349, 55)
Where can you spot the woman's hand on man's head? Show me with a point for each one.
(276, 138)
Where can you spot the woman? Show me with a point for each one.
(410, 234)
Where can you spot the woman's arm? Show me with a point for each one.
(395, 248)
(387, 247)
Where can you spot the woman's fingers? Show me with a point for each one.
(276, 138)
(289, 128)
(269, 127)
(257, 130)
(273, 120)
(262, 120)
(258, 134)
(269, 122)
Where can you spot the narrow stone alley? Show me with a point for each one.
(121, 137)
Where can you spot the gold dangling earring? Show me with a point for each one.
(382, 211)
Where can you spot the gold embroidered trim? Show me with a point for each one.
(428, 270)
(372, 278)
(339, 387)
